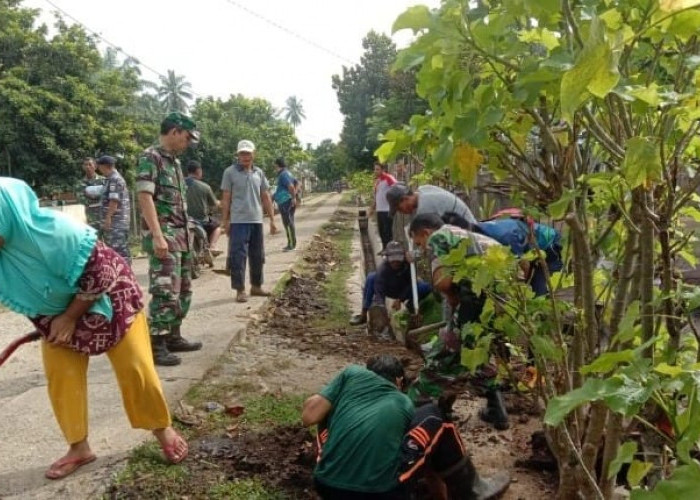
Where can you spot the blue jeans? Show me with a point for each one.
(246, 244)
(538, 278)
(368, 293)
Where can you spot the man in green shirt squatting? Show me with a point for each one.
(373, 444)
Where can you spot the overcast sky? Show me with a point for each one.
(224, 47)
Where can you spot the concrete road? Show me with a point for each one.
(29, 436)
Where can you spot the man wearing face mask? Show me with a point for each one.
(162, 193)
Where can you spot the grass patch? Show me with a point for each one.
(205, 390)
(348, 198)
(243, 489)
(146, 461)
(281, 284)
(261, 411)
(335, 287)
(270, 410)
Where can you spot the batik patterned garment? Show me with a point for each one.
(106, 272)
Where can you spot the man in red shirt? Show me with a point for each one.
(383, 181)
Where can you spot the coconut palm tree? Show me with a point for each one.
(174, 92)
(294, 111)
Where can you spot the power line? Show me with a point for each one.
(161, 75)
(289, 31)
(114, 46)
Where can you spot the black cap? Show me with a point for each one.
(394, 251)
(394, 195)
(106, 160)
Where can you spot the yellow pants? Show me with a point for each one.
(132, 362)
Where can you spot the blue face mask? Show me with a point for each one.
(44, 254)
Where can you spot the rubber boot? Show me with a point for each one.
(466, 484)
(177, 343)
(161, 355)
(495, 411)
(359, 319)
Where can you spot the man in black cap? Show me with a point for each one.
(115, 208)
(392, 280)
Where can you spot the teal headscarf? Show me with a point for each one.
(44, 254)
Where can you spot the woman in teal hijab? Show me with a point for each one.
(84, 300)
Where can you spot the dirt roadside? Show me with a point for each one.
(286, 353)
(31, 439)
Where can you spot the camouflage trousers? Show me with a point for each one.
(118, 240)
(170, 286)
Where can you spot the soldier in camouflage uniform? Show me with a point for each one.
(116, 208)
(90, 197)
(162, 193)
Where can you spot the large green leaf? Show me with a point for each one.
(545, 347)
(673, 5)
(592, 390)
(595, 72)
(474, 358)
(414, 18)
(541, 36)
(628, 328)
(637, 471)
(608, 361)
(558, 209)
(385, 151)
(642, 164)
(683, 484)
(630, 396)
(684, 24)
(624, 456)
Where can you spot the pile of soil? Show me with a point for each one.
(293, 313)
(283, 456)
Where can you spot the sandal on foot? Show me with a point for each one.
(67, 465)
(171, 450)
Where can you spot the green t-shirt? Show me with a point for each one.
(366, 425)
(201, 201)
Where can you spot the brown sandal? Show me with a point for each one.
(66, 466)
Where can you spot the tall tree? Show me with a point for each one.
(174, 92)
(58, 100)
(294, 111)
(224, 123)
(329, 163)
(359, 89)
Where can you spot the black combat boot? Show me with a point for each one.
(161, 355)
(177, 343)
(495, 411)
(464, 483)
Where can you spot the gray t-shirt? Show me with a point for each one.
(246, 187)
(432, 199)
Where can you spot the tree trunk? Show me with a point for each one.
(614, 427)
(646, 268)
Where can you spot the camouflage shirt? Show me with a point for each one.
(115, 189)
(91, 201)
(449, 238)
(160, 175)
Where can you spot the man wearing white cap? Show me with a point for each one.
(245, 192)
